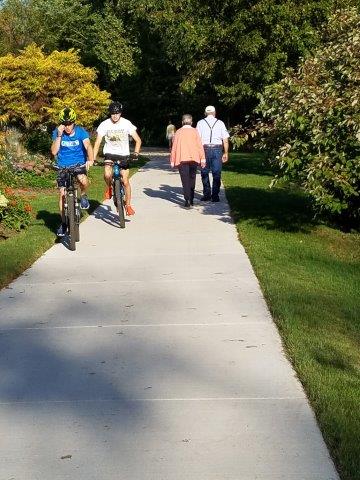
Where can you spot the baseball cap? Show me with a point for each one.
(209, 109)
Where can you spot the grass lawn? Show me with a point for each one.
(310, 276)
(17, 253)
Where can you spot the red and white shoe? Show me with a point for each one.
(129, 210)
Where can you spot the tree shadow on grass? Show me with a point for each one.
(52, 219)
(249, 164)
(285, 209)
(277, 209)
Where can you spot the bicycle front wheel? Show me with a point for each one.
(77, 219)
(71, 221)
(119, 202)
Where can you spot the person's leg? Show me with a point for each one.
(84, 184)
(184, 169)
(205, 176)
(61, 179)
(216, 167)
(108, 172)
(192, 176)
(127, 187)
(61, 231)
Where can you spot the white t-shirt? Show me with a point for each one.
(116, 135)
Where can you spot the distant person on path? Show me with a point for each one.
(187, 153)
(116, 131)
(214, 137)
(71, 146)
(170, 132)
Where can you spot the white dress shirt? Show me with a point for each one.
(212, 131)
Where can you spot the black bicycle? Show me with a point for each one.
(71, 203)
(118, 187)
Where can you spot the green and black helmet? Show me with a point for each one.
(67, 116)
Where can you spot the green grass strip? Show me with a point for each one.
(19, 252)
(310, 277)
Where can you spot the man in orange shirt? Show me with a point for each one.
(187, 153)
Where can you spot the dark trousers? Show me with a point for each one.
(213, 157)
(187, 172)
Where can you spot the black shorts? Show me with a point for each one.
(62, 175)
(123, 159)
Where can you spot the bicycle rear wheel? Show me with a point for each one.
(71, 221)
(119, 202)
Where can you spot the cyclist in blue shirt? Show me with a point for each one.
(71, 146)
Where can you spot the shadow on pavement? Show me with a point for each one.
(167, 192)
(104, 213)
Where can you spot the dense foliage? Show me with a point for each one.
(35, 86)
(164, 57)
(311, 120)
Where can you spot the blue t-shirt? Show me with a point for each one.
(72, 150)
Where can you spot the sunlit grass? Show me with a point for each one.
(310, 276)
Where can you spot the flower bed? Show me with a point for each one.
(15, 212)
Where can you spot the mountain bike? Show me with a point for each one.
(71, 203)
(118, 187)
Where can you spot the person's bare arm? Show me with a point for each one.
(225, 156)
(137, 141)
(97, 145)
(55, 147)
(89, 152)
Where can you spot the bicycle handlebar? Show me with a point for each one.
(68, 169)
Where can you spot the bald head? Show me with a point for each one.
(187, 119)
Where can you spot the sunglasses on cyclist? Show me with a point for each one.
(67, 124)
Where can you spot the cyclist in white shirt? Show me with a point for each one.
(214, 137)
(116, 130)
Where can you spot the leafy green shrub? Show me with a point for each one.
(15, 212)
(35, 86)
(33, 180)
(311, 121)
(38, 141)
(26, 171)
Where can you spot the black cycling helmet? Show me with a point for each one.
(67, 115)
(115, 107)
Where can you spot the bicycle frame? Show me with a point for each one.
(118, 188)
(71, 205)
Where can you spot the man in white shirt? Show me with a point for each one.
(214, 137)
(116, 130)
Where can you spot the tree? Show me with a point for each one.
(311, 120)
(95, 31)
(235, 48)
(50, 23)
(35, 86)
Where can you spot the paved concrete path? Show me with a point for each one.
(149, 354)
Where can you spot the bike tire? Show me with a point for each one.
(71, 221)
(77, 220)
(119, 202)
